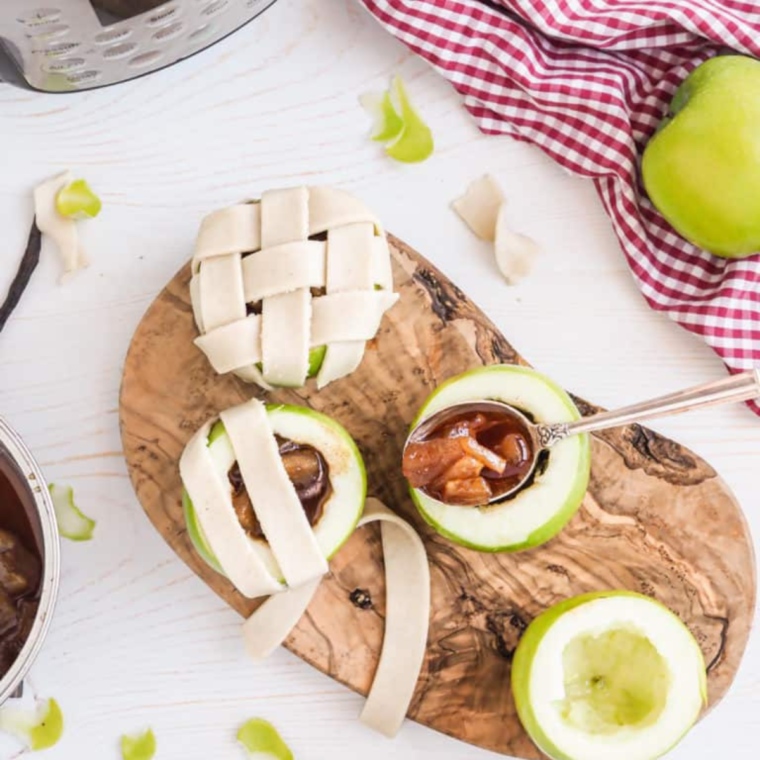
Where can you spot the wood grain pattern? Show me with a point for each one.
(657, 518)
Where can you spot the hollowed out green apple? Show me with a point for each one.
(348, 479)
(702, 167)
(540, 510)
(609, 674)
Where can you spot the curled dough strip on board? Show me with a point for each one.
(407, 578)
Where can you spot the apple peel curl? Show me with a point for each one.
(396, 122)
(72, 522)
(139, 747)
(40, 728)
(262, 741)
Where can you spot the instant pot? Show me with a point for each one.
(25, 474)
(72, 45)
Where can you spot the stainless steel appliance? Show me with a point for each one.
(71, 45)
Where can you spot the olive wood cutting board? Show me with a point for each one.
(657, 519)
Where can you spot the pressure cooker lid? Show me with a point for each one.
(72, 45)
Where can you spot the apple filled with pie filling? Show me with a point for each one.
(318, 464)
(460, 469)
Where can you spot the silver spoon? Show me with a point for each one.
(740, 387)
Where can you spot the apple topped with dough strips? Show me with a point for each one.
(291, 286)
(301, 470)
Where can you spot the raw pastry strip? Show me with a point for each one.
(212, 501)
(284, 216)
(480, 205)
(62, 231)
(350, 258)
(230, 230)
(407, 582)
(270, 625)
(283, 269)
(233, 346)
(252, 374)
(285, 336)
(381, 267)
(406, 624)
(273, 496)
(221, 291)
(195, 301)
(331, 321)
(341, 359)
(330, 208)
(515, 253)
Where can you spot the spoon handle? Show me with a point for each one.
(741, 387)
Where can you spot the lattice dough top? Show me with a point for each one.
(302, 273)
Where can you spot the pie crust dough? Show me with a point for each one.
(479, 206)
(407, 577)
(259, 255)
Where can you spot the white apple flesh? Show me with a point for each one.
(608, 675)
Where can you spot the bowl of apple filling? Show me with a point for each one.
(29, 561)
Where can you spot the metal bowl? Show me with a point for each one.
(12, 447)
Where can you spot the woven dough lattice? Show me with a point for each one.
(300, 273)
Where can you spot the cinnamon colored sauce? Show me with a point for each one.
(471, 458)
(20, 563)
(308, 472)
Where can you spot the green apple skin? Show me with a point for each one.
(48, 733)
(564, 513)
(526, 650)
(540, 536)
(701, 169)
(195, 535)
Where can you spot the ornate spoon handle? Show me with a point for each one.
(740, 387)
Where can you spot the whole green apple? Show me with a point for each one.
(702, 167)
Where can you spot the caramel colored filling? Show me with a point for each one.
(20, 570)
(470, 459)
(308, 472)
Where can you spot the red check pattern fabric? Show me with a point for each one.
(588, 81)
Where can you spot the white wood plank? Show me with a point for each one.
(136, 639)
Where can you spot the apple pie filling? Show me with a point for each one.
(20, 570)
(470, 459)
(307, 470)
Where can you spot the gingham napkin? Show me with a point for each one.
(588, 82)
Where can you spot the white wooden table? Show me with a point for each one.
(137, 639)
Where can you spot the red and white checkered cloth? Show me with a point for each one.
(588, 81)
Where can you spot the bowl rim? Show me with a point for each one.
(20, 455)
